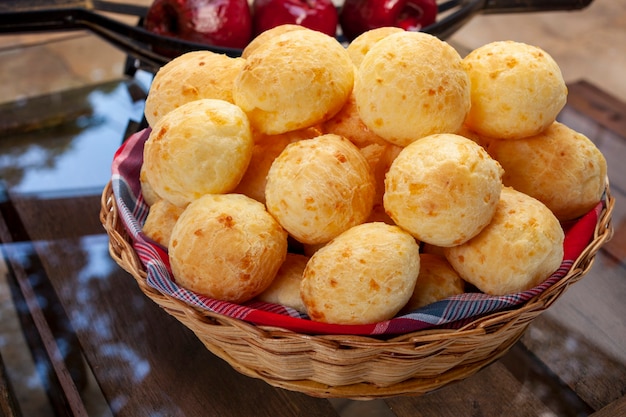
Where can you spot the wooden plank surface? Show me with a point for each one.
(581, 338)
(9, 406)
(146, 362)
(615, 409)
(598, 105)
(491, 392)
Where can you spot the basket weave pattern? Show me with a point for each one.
(348, 366)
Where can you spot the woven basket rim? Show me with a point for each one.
(507, 326)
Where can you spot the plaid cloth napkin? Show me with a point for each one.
(452, 312)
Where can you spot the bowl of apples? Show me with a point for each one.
(227, 26)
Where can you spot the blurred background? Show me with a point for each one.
(589, 45)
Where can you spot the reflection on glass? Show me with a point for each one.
(73, 155)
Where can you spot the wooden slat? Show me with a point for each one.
(598, 105)
(581, 338)
(616, 247)
(493, 391)
(615, 409)
(43, 317)
(8, 402)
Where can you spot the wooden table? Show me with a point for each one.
(90, 328)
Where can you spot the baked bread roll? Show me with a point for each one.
(519, 249)
(443, 189)
(285, 289)
(365, 275)
(191, 76)
(320, 187)
(411, 85)
(149, 196)
(348, 123)
(227, 247)
(263, 154)
(559, 167)
(361, 45)
(436, 281)
(160, 221)
(294, 80)
(266, 149)
(201, 147)
(517, 89)
(264, 36)
(482, 140)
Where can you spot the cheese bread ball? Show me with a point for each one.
(443, 189)
(517, 89)
(285, 288)
(482, 140)
(191, 76)
(365, 275)
(160, 221)
(559, 167)
(253, 181)
(519, 249)
(266, 35)
(378, 214)
(294, 80)
(380, 158)
(361, 45)
(147, 192)
(348, 123)
(411, 85)
(226, 247)
(320, 187)
(201, 147)
(266, 149)
(436, 281)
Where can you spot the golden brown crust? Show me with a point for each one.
(361, 45)
(436, 281)
(191, 76)
(517, 89)
(161, 220)
(294, 80)
(264, 36)
(560, 167)
(443, 189)
(520, 248)
(147, 192)
(320, 187)
(202, 147)
(410, 85)
(365, 275)
(348, 123)
(226, 247)
(285, 288)
(266, 149)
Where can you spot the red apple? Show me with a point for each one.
(358, 16)
(320, 15)
(226, 23)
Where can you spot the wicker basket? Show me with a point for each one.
(347, 366)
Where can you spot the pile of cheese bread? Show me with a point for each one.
(357, 183)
